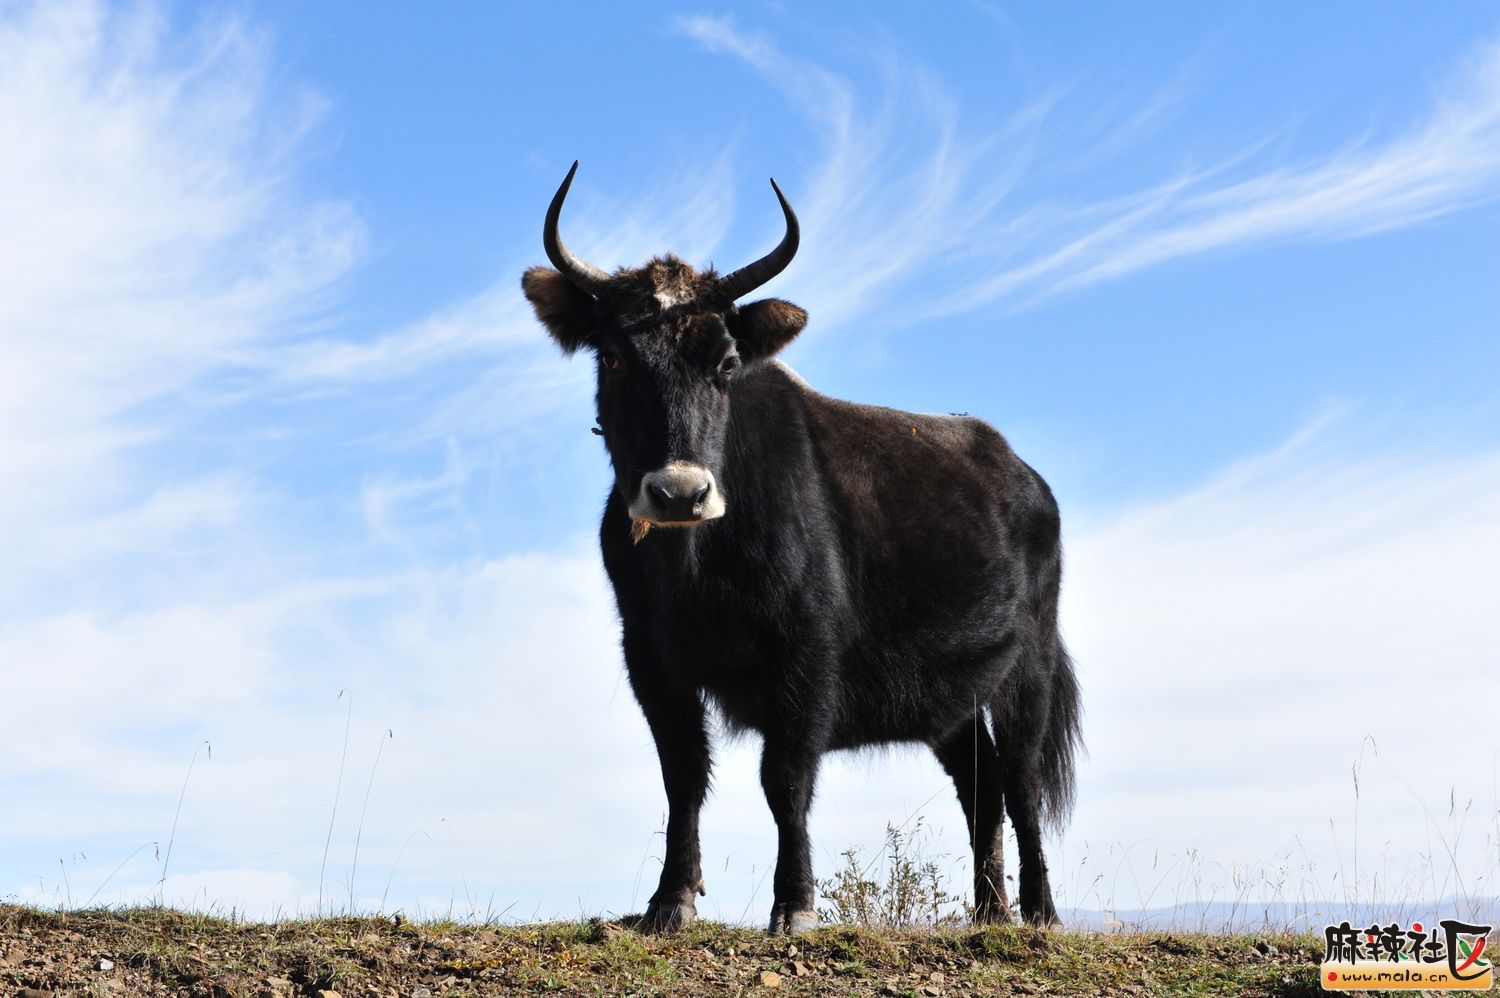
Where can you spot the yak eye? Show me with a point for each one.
(729, 365)
(610, 360)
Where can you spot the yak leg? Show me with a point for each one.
(679, 726)
(788, 774)
(1020, 748)
(969, 757)
(1036, 891)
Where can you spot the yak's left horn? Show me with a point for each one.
(748, 278)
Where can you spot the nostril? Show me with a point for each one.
(678, 493)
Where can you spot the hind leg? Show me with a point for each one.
(1035, 723)
(1037, 906)
(969, 757)
(1019, 745)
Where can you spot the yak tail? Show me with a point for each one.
(1062, 739)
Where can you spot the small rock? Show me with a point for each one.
(35, 993)
(932, 990)
(420, 993)
(329, 994)
(770, 978)
(278, 984)
(106, 964)
(799, 968)
(791, 950)
(936, 977)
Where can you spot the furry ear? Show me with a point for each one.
(567, 312)
(764, 327)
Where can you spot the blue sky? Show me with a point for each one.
(276, 418)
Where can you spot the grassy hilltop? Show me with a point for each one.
(150, 951)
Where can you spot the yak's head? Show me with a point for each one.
(669, 342)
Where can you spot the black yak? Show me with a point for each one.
(827, 574)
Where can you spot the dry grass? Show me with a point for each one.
(157, 951)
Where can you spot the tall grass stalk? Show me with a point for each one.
(116, 870)
(337, 791)
(1368, 741)
(392, 876)
(359, 831)
(172, 838)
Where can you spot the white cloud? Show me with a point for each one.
(153, 232)
(1236, 645)
(482, 673)
(181, 517)
(687, 210)
(1449, 162)
(898, 186)
(909, 187)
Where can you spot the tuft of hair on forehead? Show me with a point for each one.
(663, 283)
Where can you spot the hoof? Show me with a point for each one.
(1044, 920)
(667, 916)
(992, 913)
(792, 923)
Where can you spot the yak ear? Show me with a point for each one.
(764, 327)
(567, 312)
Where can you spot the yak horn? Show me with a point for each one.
(752, 276)
(583, 275)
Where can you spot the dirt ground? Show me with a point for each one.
(150, 952)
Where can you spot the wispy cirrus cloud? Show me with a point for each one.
(899, 185)
(912, 188)
(687, 210)
(1448, 162)
(154, 232)
(907, 188)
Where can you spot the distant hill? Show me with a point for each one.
(1301, 916)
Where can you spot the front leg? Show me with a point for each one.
(679, 727)
(794, 746)
(788, 773)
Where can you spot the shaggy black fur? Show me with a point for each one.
(878, 576)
